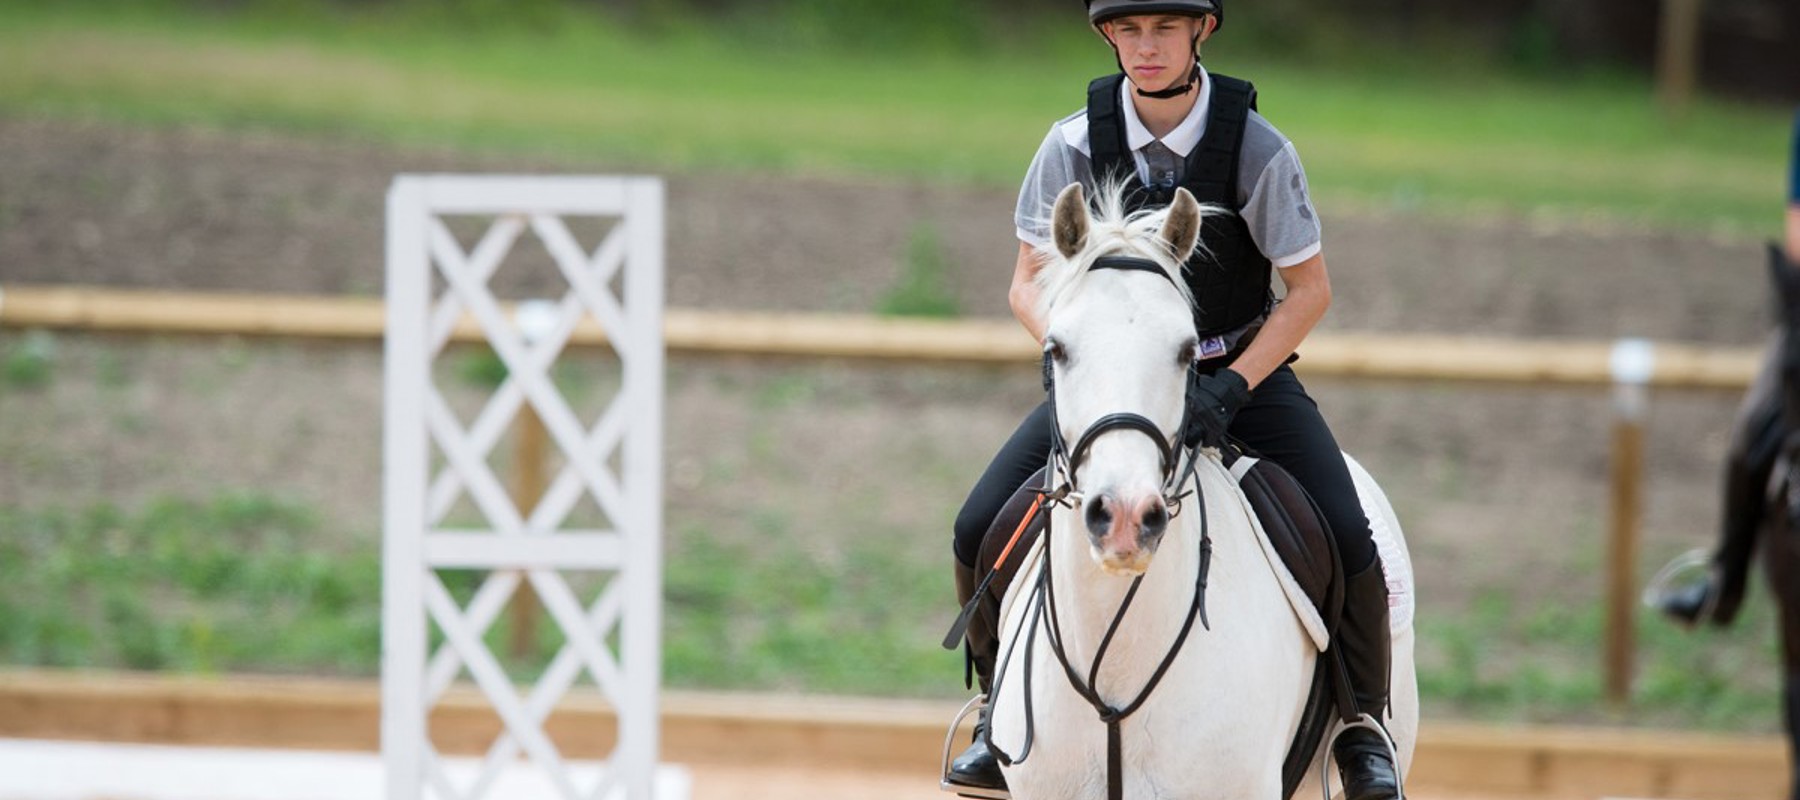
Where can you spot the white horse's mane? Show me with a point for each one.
(1112, 231)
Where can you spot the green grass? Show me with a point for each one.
(778, 616)
(1426, 132)
(238, 583)
(1511, 658)
(28, 361)
(922, 289)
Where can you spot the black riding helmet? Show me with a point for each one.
(1103, 10)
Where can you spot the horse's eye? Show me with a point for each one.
(1055, 349)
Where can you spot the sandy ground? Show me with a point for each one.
(84, 771)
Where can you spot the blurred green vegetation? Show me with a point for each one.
(236, 582)
(1505, 659)
(923, 288)
(241, 583)
(929, 92)
(28, 361)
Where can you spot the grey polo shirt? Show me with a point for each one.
(1272, 195)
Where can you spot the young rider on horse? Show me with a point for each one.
(1162, 122)
(1755, 442)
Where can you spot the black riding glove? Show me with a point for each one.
(1212, 400)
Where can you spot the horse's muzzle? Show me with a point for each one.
(1124, 533)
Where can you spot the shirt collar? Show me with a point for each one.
(1185, 136)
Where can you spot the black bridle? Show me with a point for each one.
(1065, 462)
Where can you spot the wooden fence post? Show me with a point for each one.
(1677, 56)
(536, 319)
(1633, 364)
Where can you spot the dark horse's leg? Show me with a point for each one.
(1791, 690)
(1756, 437)
(1781, 563)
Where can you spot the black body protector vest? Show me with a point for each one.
(1229, 275)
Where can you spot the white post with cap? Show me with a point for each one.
(1633, 364)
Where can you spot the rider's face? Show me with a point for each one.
(1156, 51)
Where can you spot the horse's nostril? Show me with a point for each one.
(1156, 519)
(1097, 516)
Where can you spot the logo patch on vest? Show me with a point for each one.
(1212, 347)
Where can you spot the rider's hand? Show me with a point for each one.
(1212, 401)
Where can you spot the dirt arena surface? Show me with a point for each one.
(1501, 489)
(96, 771)
(774, 783)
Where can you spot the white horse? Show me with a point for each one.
(1219, 721)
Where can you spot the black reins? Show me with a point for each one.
(1065, 462)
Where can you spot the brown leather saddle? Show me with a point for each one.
(1295, 528)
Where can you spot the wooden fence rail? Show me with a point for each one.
(987, 341)
(823, 733)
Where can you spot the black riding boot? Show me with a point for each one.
(1688, 604)
(1364, 644)
(976, 768)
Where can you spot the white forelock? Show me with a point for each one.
(1112, 231)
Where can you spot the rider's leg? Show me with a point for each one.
(1023, 454)
(1283, 424)
(1755, 443)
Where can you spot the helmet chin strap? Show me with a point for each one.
(1173, 91)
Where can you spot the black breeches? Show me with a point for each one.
(1026, 452)
(1280, 423)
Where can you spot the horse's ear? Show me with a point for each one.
(1181, 229)
(1069, 225)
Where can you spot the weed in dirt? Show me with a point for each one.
(481, 368)
(129, 422)
(111, 370)
(923, 288)
(785, 391)
(235, 354)
(29, 361)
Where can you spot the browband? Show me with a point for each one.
(1130, 263)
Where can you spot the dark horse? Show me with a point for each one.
(1762, 502)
